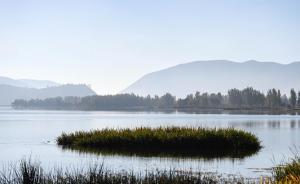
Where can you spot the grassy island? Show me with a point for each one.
(175, 140)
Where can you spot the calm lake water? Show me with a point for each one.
(32, 134)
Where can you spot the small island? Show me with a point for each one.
(181, 141)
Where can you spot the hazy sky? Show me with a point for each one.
(109, 44)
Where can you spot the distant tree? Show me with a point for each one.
(197, 98)
(204, 100)
(298, 101)
(167, 101)
(190, 100)
(278, 98)
(293, 98)
(273, 98)
(235, 97)
(221, 98)
(252, 97)
(245, 98)
(269, 99)
(284, 100)
(214, 100)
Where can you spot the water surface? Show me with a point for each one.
(32, 134)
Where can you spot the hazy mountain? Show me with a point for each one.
(218, 76)
(29, 83)
(9, 93)
(39, 83)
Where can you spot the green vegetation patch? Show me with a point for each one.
(32, 173)
(288, 172)
(181, 140)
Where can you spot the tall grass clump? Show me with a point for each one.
(181, 140)
(288, 172)
(32, 173)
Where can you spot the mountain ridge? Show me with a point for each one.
(29, 83)
(217, 76)
(10, 93)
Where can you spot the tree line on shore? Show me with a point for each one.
(235, 98)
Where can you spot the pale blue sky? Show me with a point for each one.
(109, 44)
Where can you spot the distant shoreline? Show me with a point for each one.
(247, 100)
(251, 111)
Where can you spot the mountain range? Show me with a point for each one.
(218, 76)
(204, 76)
(11, 89)
(28, 83)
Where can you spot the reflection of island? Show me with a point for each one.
(175, 154)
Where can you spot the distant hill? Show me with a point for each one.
(218, 76)
(29, 83)
(9, 93)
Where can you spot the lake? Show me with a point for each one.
(28, 133)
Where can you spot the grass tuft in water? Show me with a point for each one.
(288, 172)
(181, 140)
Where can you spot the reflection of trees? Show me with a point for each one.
(274, 124)
(268, 124)
(293, 124)
(247, 124)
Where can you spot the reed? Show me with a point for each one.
(288, 172)
(29, 172)
(164, 140)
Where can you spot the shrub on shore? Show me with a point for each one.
(181, 140)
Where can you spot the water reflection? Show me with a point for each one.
(273, 124)
(205, 155)
(238, 111)
(23, 134)
(293, 124)
(186, 161)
